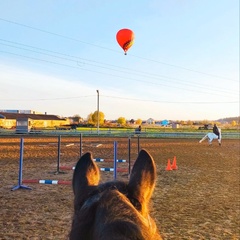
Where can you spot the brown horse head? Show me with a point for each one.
(113, 210)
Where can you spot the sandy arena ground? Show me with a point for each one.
(200, 200)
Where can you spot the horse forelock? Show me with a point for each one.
(122, 218)
(109, 209)
(95, 194)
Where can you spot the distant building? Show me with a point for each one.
(175, 125)
(30, 121)
(150, 121)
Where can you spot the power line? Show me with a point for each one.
(56, 34)
(160, 101)
(139, 73)
(183, 68)
(109, 49)
(138, 80)
(122, 98)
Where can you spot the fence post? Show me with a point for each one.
(58, 158)
(138, 144)
(129, 155)
(80, 144)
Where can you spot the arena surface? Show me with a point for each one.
(200, 200)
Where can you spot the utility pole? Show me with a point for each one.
(98, 112)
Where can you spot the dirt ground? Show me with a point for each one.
(200, 200)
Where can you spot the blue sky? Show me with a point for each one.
(184, 64)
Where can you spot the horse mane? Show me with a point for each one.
(113, 210)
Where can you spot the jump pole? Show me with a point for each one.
(48, 181)
(102, 169)
(115, 161)
(20, 169)
(108, 160)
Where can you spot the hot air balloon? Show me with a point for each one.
(125, 38)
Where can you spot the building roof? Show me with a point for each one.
(5, 115)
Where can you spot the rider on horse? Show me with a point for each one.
(216, 130)
(216, 134)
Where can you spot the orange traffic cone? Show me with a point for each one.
(169, 167)
(174, 165)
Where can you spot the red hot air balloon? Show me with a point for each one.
(125, 38)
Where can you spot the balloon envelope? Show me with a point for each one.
(125, 38)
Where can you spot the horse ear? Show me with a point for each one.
(143, 178)
(86, 174)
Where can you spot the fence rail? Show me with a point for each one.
(124, 133)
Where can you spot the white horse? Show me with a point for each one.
(211, 136)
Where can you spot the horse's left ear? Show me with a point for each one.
(86, 174)
(143, 178)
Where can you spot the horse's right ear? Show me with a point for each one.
(86, 174)
(142, 179)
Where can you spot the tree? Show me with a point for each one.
(132, 121)
(189, 122)
(93, 118)
(233, 123)
(182, 122)
(205, 121)
(121, 120)
(139, 121)
(90, 119)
